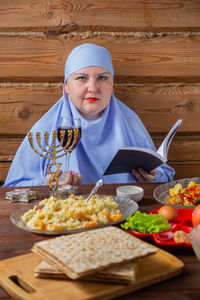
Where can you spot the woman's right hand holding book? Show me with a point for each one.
(141, 175)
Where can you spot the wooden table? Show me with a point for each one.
(14, 242)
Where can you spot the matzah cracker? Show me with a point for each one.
(80, 254)
(118, 274)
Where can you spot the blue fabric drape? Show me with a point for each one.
(117, 127)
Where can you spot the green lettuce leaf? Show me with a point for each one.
(146, 223)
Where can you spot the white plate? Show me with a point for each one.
(161, 192)
(127, 207)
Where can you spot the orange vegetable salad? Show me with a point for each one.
(187, 196)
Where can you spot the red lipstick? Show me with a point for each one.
(91, 99)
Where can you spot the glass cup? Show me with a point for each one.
(72, 134)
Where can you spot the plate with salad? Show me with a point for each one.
(183, 193)
(170, 230)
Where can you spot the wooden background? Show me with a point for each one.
(155, 46)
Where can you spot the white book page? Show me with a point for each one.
(164, 147)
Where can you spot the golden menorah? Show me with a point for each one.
(55, 151)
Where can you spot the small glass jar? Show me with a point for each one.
(195, 238)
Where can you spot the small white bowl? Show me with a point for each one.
(133, 192)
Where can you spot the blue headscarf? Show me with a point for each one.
(118, 126)
(88, 55)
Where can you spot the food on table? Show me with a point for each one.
(196, 216)
(146, 223)
(181, 236)
(189, 195)
(168, 212)
(125, 273)
(72, 212)
(90, 251)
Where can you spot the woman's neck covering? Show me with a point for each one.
(88, 55)
(117, 127)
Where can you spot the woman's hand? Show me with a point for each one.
(68, 178)
(71, 178)
(141, 175)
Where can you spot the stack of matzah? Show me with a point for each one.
(119, 274)
(91, 254)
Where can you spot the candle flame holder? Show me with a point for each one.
(55, 151)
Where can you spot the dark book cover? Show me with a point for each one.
(128, 159)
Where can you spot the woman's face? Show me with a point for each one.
(90, 90)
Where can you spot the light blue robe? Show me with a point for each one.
(117, 127)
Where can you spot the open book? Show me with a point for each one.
(129, 158)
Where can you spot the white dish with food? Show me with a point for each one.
(20, 218)
(161, 193)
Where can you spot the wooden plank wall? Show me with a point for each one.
(155, 47)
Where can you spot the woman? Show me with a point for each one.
(107, 125)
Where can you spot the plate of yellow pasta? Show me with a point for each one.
(54, 216)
